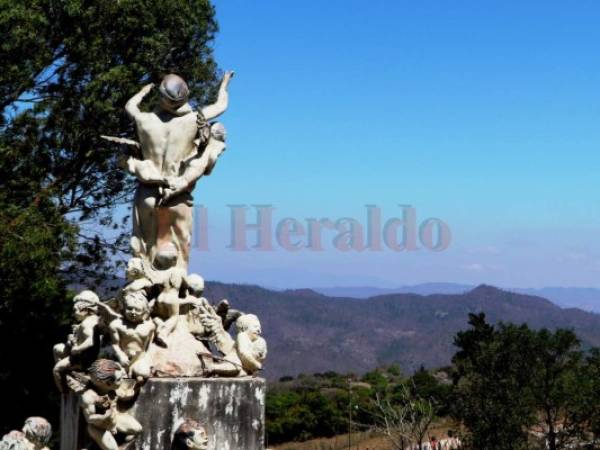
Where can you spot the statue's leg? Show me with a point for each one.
(143, 241)
(104, 438)
(59, 368)
(128, 425)
(142, 368)
(182, 222)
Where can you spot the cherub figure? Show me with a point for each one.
(132, 334)
(167, 305)
(251, 348)
(243, 355)
(190, 435)
(38, 431)
(195, 305)
(36, 434)
(139, 275)
(82, 344)
(99, 403)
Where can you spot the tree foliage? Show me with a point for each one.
(515, 386)
(69, 66)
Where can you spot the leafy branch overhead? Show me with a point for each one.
(69, 68)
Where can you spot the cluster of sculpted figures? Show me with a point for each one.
(159, 324)
(35, 435)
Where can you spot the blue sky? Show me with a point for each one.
(485, 115)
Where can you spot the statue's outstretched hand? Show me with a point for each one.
(147, 88)
(227, 78)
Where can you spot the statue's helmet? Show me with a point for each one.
(174, 90)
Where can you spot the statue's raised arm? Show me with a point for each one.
(216, 109)
(133, 105)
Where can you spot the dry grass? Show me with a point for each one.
(360, 441)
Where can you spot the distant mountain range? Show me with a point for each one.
(309, 332)
(587, 299)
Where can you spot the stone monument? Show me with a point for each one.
(156, 367)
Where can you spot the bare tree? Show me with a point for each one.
(406, 421)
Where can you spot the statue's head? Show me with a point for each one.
(84, 304)
(195, 284)
(106, 374)
(259, 349)
(38, 431)
(135, 306)
(249, 324)
(174, 92)
(135, 269)
(217, 130)
(190, 435)
(15, 440)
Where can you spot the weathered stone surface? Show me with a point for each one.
(232, 411)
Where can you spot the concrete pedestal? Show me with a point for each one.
(232, 411)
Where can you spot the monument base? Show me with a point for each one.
(231, 410)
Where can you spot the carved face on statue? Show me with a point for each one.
(190, 435)
(84, 304)
(249, 324)
(135, 307)
(106, 374)
(82, 310)
(195, 284)
(135, 269)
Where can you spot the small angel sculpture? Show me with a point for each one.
(100, 394)
(81, 348)
(132, 333)
(242, 356)
(35, 435)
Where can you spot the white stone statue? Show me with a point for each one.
(35, 435)
(81, 347)
(99, 403)
(243, 355)
(132, 334)
(177, 146)
(160, 324)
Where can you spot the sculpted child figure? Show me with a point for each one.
(81, 347)
(132, 335)
(35, 435)
(250, 347)
(194, 306)
(245, 354)
(167, 304)
(100, 407)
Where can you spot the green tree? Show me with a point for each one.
(491, 392)
(513, 384)
(591, 398)
(559, 387)
(68, 69)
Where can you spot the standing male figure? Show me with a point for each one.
(182, 146)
